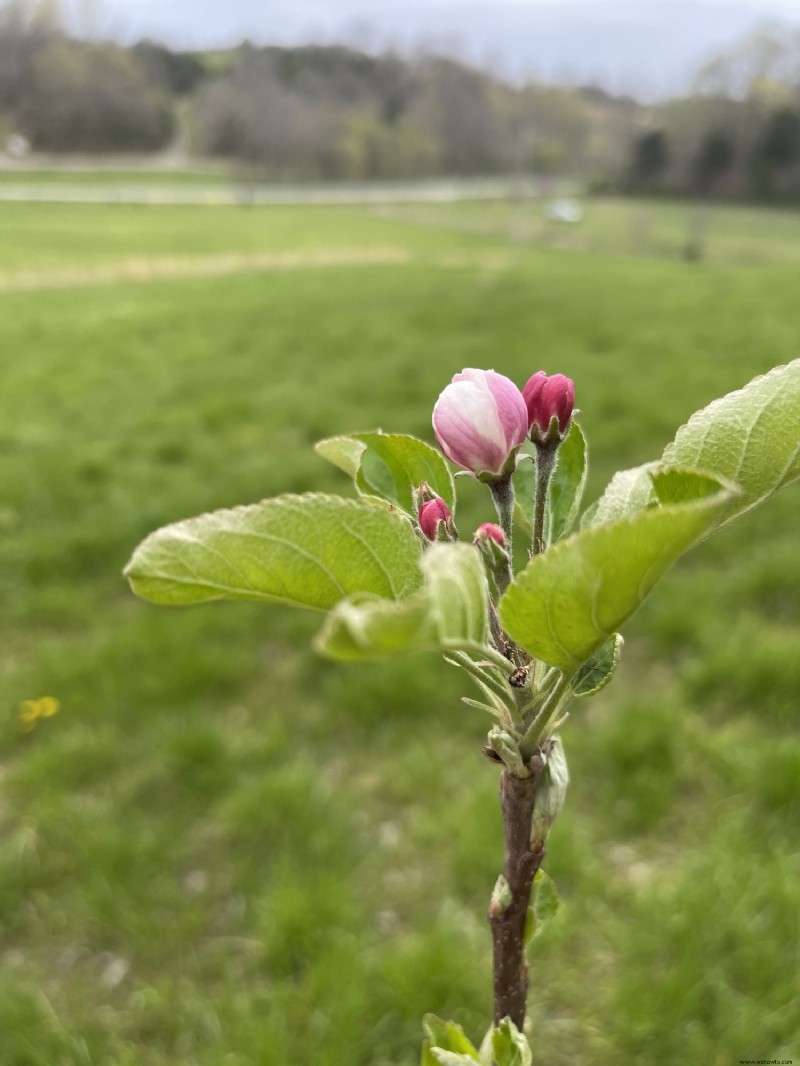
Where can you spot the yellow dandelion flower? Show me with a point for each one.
(30, 711)
(48, 706)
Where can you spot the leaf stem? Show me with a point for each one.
(489, 681)
(486, 677)
(545, 465)
(488, 654)
(499, 638)
(503, 495)
(533, 734)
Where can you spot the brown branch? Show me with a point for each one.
(507, 919)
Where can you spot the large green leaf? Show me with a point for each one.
(566, 486)
(449, 612)
(568, 601)
(309, 551)
(628, 491)
(750, 437)
(390, 465)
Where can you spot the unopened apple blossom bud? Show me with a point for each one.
(489, 529)
(480, 420)
(432, 515)
(490, 542)
(550, 401)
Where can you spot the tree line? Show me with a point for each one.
(336, 113)
(311, 112)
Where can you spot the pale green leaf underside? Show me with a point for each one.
(568, 601)
(628, 491)
(449, 612)
(390, 465)
(596, 672)
(310, 551)
(750, 437)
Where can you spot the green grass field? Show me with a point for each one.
(729, 236)
(223, 851)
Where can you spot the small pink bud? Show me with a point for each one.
(547, 398)
(479, 420)
(431, 514)
(489, 529)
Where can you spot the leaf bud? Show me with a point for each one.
(508, 750)
(502, 898)
(551, 790)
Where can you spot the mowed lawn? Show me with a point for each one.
(224, 851)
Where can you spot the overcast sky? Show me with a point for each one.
(647, 46)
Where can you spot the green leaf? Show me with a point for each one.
(567, 483)
(568, 601)
(486, 1052)
(449, 612)
(309, 551)
(628, 491)
(543, 906)
(596, 672)
(750, 437)
(445, 1044)
(566, 486)
(390, 465)
(450, 1058)
(509, 1046)
(524, 480)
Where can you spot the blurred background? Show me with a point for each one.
(227, 231)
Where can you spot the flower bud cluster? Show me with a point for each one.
(481, 418)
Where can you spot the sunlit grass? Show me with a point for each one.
(224, 850)
(718, 233)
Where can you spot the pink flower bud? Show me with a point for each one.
(547, 398)
(431, 514)
(489, 529)
(479, 420)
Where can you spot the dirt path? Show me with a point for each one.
(169, 268)
(175, 268)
